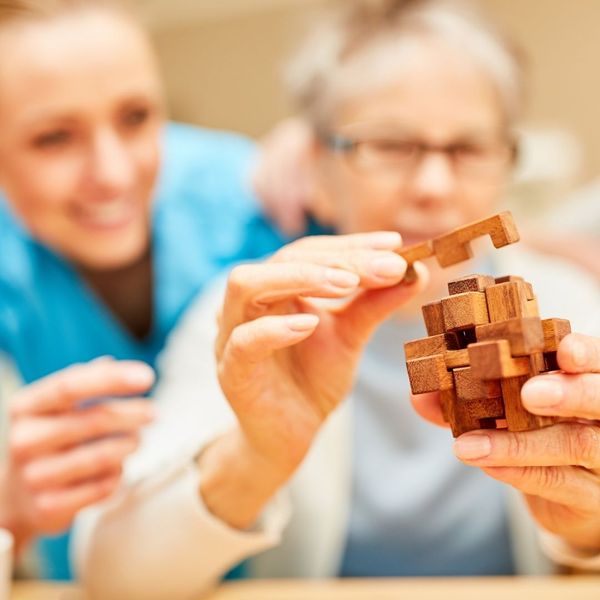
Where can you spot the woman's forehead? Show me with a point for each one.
(68, 62)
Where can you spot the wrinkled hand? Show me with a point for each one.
(557, 468)
(286, 357)
(64, 456)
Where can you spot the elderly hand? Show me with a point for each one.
(286, 358)
(557, 468)
(64, 456)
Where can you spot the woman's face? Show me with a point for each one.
(80, 119)
(422, 155)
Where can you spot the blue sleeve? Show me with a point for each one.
(207, 174)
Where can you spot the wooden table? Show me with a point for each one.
(508, 588)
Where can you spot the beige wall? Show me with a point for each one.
(224, 72)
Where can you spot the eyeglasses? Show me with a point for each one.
(372, 154)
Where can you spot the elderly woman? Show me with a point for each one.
(316, 452)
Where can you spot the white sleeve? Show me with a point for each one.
(155, 538)
(565, 554)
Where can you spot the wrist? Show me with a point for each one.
(237, 482)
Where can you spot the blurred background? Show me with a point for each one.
(222, 60)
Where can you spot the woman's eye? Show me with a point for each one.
(52, 139)
(136, 117)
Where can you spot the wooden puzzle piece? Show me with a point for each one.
(554, 331)
(507, 301)
(492, 360)
(471, 283)
(454, 247)
(429, 374)
(524, 335)
(435, 344)
(465, 311)
(433, 316)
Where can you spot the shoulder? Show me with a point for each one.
(564, 290)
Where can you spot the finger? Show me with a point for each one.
(579, 354)
(564, 444)
(370, 308)
(428, 406)
(563, 395)
(252, 285)
(65, 389)
(56, 509)
(375, 240)
(35, 436)
(376, 268)
(569, 486)
(85, 462)
(253, 342)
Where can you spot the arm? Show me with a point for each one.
(284, 365)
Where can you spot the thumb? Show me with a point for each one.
(370, 308)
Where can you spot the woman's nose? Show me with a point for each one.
(112, 167)
(434, 177)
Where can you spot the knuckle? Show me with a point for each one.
(585, 445)
(550, 478)
(238, 281)
(588, 392)
(518, 445)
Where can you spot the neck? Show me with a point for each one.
(127, 292)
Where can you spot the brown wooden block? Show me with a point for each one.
(435, 344)
(471, 283)
(492, 360)
(517, 418)
(533, 308)
(554, 331)
(456, 358)
(469, 387)
(464, 311)
(428, 374)
(528, 287)
(465, 416)
(506, 301)
(417, 252)
(525, 335)
(434, 318)
(454, 247)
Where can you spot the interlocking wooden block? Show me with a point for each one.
(465, 311)
(470, 387)
(471, 283)
(507, 301)
(517, 418)
(429, 374)
(554, 331)
(456, 358)
(525, 335)
(492, 360)
(455, 247)
(434, 318)
(435, 344)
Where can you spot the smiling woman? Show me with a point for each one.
(102, 203)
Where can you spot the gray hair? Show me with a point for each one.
(351, 50)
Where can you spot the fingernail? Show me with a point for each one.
(342, 279)
(471, 447)
(302, 323)
(140, 375)
(543, 392)
(579, 353)
(385, 240)
(388, 267)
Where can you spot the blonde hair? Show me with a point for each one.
(349, 50)
(27, 10)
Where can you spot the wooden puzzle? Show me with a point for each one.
(486, 339)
